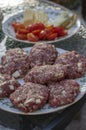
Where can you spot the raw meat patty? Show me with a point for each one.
(30, 97)
(76, 64)
(42, 54)
(15, 62)
(63, 92)
(45, 74)
(7, 85)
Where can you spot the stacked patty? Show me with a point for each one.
(30, 97)
(15, 62)
(42, 54)
(7, 85)
(76, 64)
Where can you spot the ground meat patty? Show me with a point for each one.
(30, 97)
(42, 54)
(45, 74)
(15, 62)
(76, 64)
(63, 92)
(76, 71)
(7, 85)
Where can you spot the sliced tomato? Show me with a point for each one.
(31, 37)
(21, 36)
(58, 29)
(40, 26)
(17, 25)
(36, 27)
(36, 32)
(22, 31)
(49, 31)
(52, 36)
(14, 23)
(42, 35)
(62, 33)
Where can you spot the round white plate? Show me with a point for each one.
(6, 105)
(53, 13)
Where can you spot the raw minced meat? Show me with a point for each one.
(76, 64)
(15, 62)
(45, 74)
(30, 97)
(42, 54)
(7, 85)
(63, 92)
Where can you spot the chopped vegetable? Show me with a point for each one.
(69, 22)
(32, 16)
(37, 32)
(21, 36)
(73, 20)
(60, 19)
(36, 26)
(22, 31)
(31, 37)
(52, 36)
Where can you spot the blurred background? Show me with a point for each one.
(79, 6)
(68, 3)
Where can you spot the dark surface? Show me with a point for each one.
(52, 121)
(84, 8)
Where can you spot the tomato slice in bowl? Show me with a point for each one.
(21, 36)
(31, 37)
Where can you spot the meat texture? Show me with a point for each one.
(42, 54)
(7, 85)
(45, 74)
(63, 92)
(30, 97)
(76, 64)
(15, 62)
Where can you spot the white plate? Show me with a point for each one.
(6, 105)
(53, 12)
